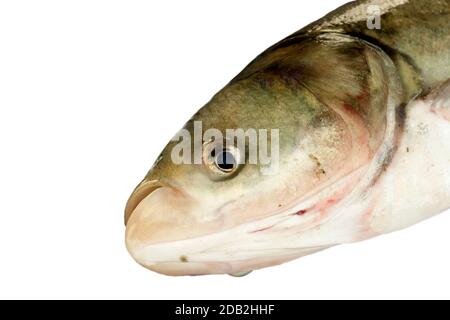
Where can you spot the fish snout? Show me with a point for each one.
(144, 189)
(160, 222)
(157, 213)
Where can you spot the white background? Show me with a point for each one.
(90, 92)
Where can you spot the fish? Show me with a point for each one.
(354, 109)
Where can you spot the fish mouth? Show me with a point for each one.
(144, 189)
(169, 232)
(158, 214)
(163, 236)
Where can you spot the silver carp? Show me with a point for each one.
(360, 101)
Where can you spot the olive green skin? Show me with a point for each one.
(415, 34)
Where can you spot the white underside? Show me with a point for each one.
(417, 184)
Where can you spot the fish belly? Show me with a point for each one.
(416, 185)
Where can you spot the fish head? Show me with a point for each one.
(255, 174)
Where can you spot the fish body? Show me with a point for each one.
(358, 102)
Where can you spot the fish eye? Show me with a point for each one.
(221, 161)
(225, 160)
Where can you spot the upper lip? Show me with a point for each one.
(145, 188)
